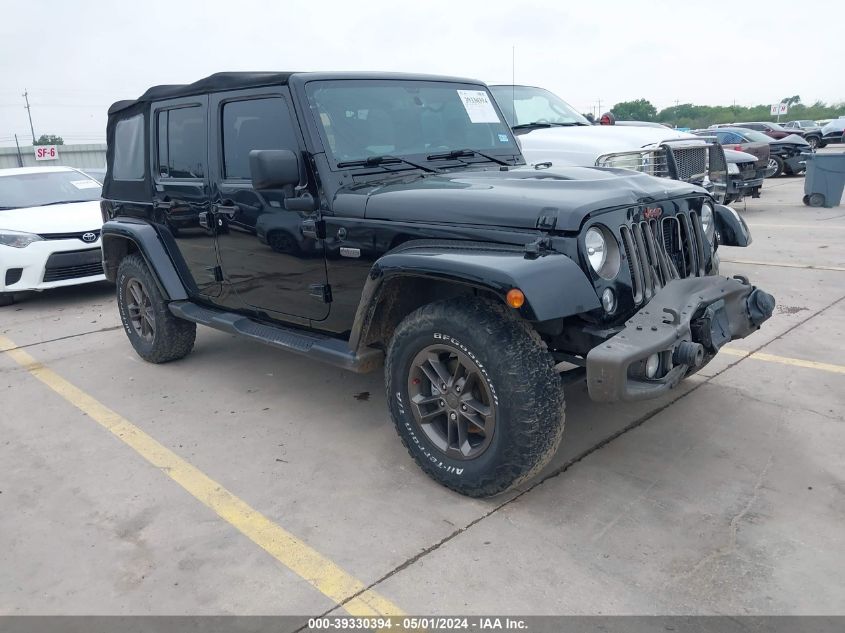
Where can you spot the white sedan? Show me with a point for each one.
(49, 229)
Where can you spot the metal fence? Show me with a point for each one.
(89, 155)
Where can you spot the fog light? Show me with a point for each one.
(608, 300)
(652, 365)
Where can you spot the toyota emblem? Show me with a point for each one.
(89, 237)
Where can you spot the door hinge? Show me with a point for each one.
(323, 292)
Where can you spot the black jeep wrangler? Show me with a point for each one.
(361, 218)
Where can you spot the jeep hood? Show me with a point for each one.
(582, 145)
(516, 198)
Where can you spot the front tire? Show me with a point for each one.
(777, 163)
(474, 395)
(6, 298)
(156, 335)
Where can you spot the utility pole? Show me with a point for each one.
(20, 157)
(29, 114)
(599, 112)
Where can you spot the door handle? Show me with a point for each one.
(228, 210)
(162, 204)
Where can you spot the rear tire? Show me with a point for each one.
(814, 142)
(513, 403)
(156, 335)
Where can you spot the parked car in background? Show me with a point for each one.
(773, 130)
(49, 229)
(550, 130)
(783, 156)
(812, 131)
(834, 131)
(739, 140)
(642, 124)
(745, 175)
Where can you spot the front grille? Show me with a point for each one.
(690, 162)
(658, 251)
(70, 236)
(73, 265)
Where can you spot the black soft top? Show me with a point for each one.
(213, 83)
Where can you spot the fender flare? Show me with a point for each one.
(732, 229)
(553, 284)
(116, 233)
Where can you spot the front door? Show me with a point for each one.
(268, 263)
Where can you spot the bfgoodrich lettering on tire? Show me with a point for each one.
(156, 335)
(474, 396)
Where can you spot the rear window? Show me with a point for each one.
(181, 139)
(129, 149)
(254, 124)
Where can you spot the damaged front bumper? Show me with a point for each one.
(683, 326)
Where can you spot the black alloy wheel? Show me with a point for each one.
(141, 313)
(451, 402)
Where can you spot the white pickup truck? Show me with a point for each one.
(550, 130)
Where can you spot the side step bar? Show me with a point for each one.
(323, 348)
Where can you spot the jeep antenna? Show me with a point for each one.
(513, 83)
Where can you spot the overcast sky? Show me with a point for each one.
(75, 58)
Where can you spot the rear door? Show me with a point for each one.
(269, 264)
(180, 176)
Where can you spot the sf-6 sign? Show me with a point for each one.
(46, 152)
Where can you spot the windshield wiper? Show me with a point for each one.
(458, 153)
(525, 126)
(376, 161)
(8, 208)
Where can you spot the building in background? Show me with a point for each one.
(90, 155)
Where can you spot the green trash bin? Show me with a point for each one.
(824, 180)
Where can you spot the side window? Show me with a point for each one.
(254, 124)
(181, 135)
(129, 149)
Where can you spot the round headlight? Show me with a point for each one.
(602, 251)
(596, 248)
(707, 221)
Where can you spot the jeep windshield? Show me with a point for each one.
(526, 107)
(44, 188)
(402, 124)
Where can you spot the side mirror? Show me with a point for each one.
(273, 168)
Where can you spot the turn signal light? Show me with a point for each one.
(515, 298)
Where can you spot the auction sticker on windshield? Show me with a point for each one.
(478, 106)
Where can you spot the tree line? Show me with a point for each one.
(700, 116)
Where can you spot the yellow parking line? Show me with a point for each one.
(320, 572)
(783, 264)
(785, 360)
